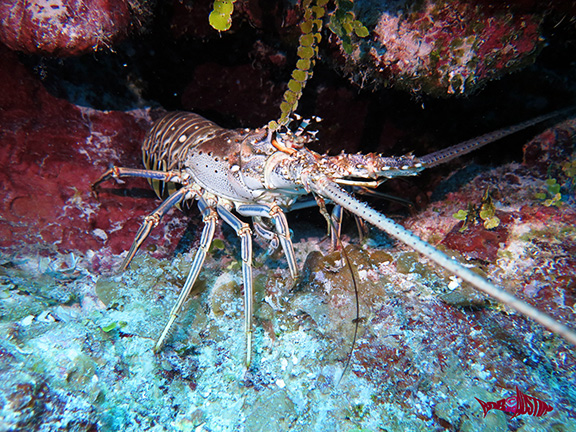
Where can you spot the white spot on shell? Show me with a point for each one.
(182, 138)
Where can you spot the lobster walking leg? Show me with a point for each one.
(245, 233)
(336, 226)
(151, 221)
(210, 220)
(275, 213)
(284, 232)
(164, 176)
(329, 189)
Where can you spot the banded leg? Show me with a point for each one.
(275, 213)
(210, 220)
(245, 233)
(336, 226)
(151, 221)
(164, 176)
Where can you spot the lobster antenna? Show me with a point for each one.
(468, 146)
(346, 258)
(328, 189)
(335, 234)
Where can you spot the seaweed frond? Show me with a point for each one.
(311, 25)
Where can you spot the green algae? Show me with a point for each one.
(113, 326)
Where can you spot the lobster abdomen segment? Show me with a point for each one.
(168, 142)
(225, 162)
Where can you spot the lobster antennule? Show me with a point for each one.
(326, 188)
(369, 166)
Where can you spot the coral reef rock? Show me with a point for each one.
(62, 27)
(442, 47)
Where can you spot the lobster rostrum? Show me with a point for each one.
(262, 174)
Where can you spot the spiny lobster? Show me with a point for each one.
(262, 174)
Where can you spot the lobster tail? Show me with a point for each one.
(330, 190)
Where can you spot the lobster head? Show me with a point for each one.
(292, 165)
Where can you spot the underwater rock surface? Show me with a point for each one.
(52, 151)
(443, 47)
(63, 27)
